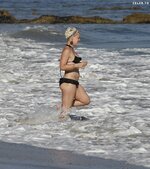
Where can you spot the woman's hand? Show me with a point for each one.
(81, 64)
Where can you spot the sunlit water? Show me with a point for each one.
(118, 84)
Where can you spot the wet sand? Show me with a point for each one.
(21, 156)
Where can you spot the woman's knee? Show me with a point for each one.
(87, 101)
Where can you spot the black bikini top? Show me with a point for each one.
(76, 58)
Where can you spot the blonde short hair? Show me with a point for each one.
(70, 32)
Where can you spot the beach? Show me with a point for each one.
(116, 79)
(21, 156)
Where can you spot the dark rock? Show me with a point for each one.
(6, 17)
(137, 18)
(98, 20)
(46, 19)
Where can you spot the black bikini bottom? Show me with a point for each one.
(65, 80)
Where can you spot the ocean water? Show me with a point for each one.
(116, 78)
(35, 8)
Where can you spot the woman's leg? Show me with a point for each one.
(68, 95)
(81, 97)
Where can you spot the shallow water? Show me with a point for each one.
(117, 80)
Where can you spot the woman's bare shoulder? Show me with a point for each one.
(66, 51)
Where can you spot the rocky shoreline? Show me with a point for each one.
(135, 18)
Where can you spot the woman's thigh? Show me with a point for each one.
(81, 95)
(68, 94)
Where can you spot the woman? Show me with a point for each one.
(73, 94)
